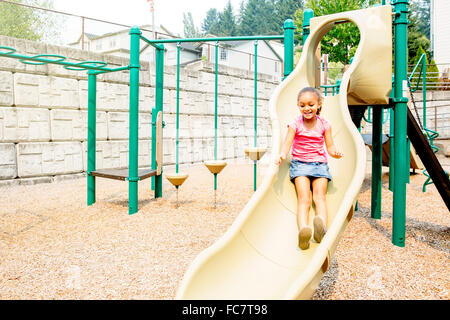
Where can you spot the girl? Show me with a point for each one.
(309, 165)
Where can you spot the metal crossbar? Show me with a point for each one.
(42, 59)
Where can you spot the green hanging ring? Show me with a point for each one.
(11, 50)
(59, 58)
(86, 65)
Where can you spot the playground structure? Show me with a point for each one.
(258, 256)
(133, 175)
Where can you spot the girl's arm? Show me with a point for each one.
(332, 151)
(286, 145)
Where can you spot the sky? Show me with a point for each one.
(169, 13)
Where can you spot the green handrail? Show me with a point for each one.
(384, 116)
(334, 87)
(430, 134)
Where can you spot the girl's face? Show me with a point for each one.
(309, 105)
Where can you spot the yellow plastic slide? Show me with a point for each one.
(258, 257)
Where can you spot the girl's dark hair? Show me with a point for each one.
(312, 90)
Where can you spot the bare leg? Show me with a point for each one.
(302, 185)
(319, 196)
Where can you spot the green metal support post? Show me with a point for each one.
(91, 138)
(159, 90)
(289, 28)
(400, 122)
(376, 162)
(391, 139)
(255, 113)
(424, 91)
(178, 106)
(391, 149)
(133, 177)
(308, 14)
(216, 58)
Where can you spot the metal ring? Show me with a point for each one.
(86, 65)
(11, 50)
(59, 59)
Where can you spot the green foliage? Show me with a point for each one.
(432, 69)
(432, 73)
(255, 17)
(418, 29)
(227, 22)
(285, 9)
(341, 42)
(335, 71)
(27, 23)
(190, 31)
(419, 15)
(211, 22)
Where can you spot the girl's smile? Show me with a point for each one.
(309, 105)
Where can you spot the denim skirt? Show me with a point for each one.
(309, 169)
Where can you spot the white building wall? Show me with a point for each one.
(241, 56)
(441, 32)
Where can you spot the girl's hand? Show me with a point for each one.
(280, 158)
(336, 154)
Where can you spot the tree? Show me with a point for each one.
(190, 31)
(211, 22)
(285, 9)
(419, 15)
(227, 21)
(257, 18)
(418, 29)
(27, 23)
(341, 41)
(432, 69)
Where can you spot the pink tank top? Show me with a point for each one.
(308, 144)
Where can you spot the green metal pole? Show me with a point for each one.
(255, 120)
(216, 58)
(376, 162)
(400, 123)
(391, 150)
(391, 139)
(133, 177)
(91, 138)
(308, 14)
(256, 112)
(178, 101)
(159, 90)
(289, 28)
(424, 91)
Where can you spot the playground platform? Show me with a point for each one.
(52, 246)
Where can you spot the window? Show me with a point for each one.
(98, 46)
(112, 43)
(223, 53)
(276, 66)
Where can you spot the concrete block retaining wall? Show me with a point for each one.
(43, 114)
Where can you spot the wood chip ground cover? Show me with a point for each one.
(52, 246)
